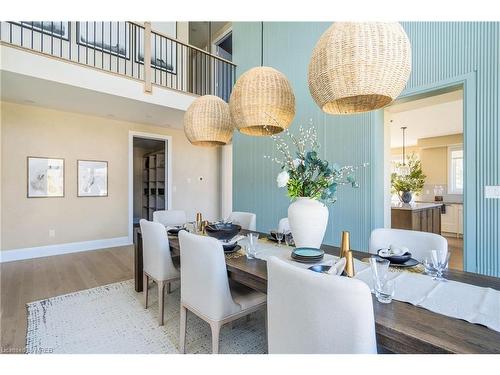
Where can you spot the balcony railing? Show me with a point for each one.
(119, 48)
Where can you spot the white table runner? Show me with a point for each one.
(458, 300)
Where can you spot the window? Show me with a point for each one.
(109, 37)
(56, 29)
(456, 169)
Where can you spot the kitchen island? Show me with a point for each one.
(424, 217)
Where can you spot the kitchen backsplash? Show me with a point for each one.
(428, 194)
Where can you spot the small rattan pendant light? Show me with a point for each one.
(262, 101)
(207, 122)
(359, 66)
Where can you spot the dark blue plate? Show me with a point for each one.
(320, 268)
(409, 263)
(396, 259)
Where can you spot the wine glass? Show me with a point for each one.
(289, 238)
(440, 261)
(279, 237)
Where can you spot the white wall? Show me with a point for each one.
(34, 131)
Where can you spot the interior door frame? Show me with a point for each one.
(168, 186)
(467, 83)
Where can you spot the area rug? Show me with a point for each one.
(111, 319)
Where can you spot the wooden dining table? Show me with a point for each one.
(401, 327)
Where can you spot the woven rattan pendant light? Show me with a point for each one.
(207, 122)
(262, 102)
(359, 66)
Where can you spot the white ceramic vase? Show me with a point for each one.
(308, 220)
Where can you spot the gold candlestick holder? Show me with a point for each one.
(349, 265)
(345, 245)
(345, 252)
(199, 221)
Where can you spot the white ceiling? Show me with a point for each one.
(428, 117)
(198, 32)
(22, 89)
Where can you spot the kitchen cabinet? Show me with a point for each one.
(453, 220)
(424, 217)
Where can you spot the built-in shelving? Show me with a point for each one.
(153, 183)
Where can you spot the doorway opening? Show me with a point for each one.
(150, 176)
(433, 140)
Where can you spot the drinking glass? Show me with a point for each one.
(384, 289)
(251, 248)
(385, 292)
(191, 227)
(440, 261)
(289, 238)
(279, 237)
(427, 263)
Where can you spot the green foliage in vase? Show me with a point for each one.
(414, 181)
(304, 173)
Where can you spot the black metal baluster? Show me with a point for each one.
(174, 64)
(51, 36)
(138, 43)
(110, 47)
(127, 26)
(166, 62)
(118, 47)
(69, 38)
(95, 34)
(60, 40)
(79, 28)
(102, 49)
(87, 42)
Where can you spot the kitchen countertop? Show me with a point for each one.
(441, 202)
(414, 206)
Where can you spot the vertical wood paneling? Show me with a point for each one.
(344, 139)
(441, 51)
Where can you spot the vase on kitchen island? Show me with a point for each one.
(308, 219)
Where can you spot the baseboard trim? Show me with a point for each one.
(64, 248)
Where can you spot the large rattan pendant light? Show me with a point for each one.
(359, 66)
(207, 122)
(262, 102)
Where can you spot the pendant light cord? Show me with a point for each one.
(404, 158)
(262, 43)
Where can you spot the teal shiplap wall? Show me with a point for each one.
(442, 52)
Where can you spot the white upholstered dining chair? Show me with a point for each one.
(170, 217)
(157, 262)
(206, 290)
(247, 220)
(419, 243)
(284, 225)
(315, 313)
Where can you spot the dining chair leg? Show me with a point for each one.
(215, 327)
(145, 289)
(182, 335)
(161, 306)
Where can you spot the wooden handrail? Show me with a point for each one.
(185, 44)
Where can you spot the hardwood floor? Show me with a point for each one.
(456, 247)
(34, 279)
